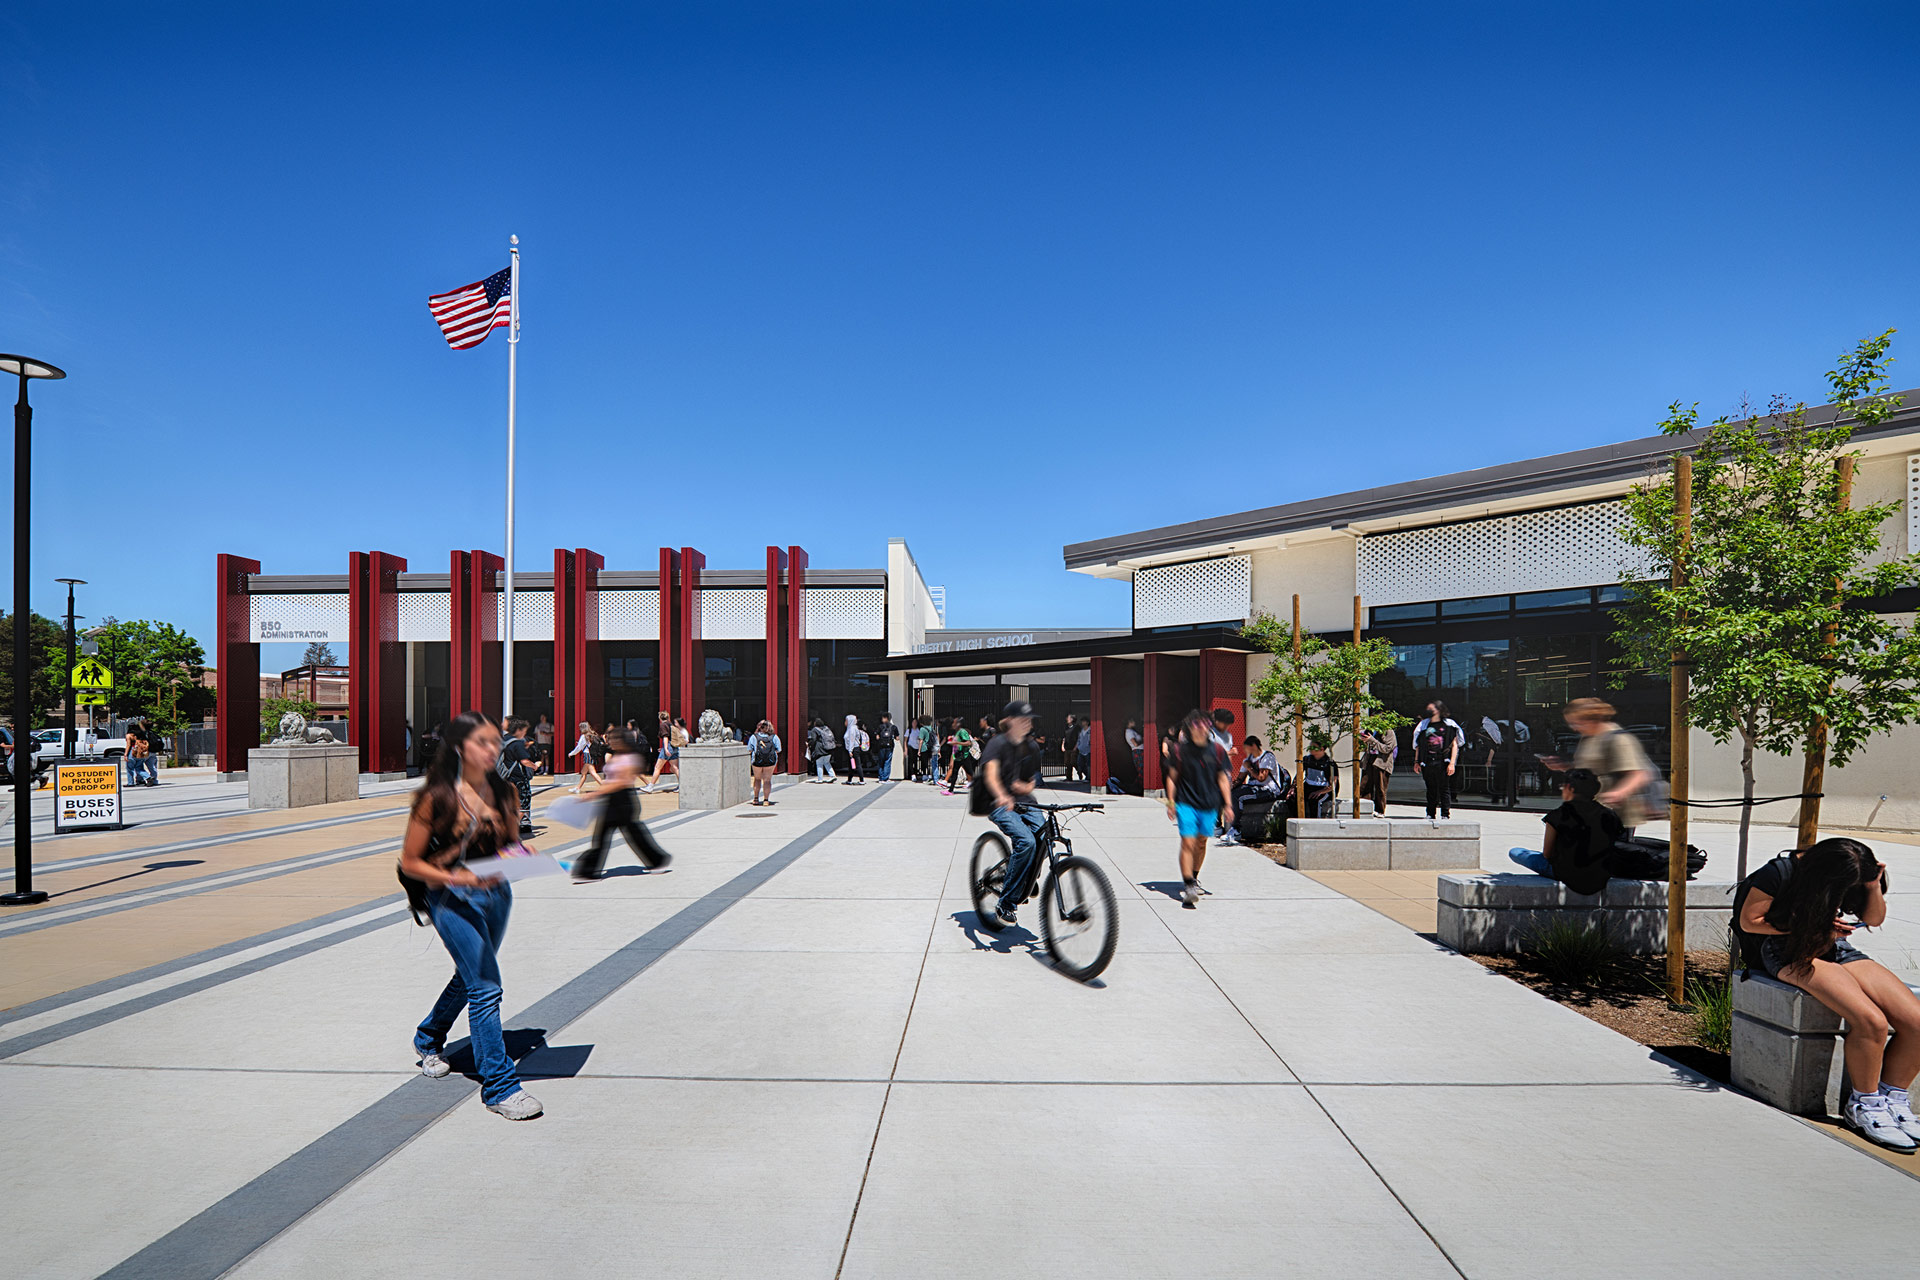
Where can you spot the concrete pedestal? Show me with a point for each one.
(1492, 914)
(294, 777)
(715, 777)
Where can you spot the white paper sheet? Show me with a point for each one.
(520, 867)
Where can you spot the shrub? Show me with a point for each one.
(1711, 1000)
(1574, 953)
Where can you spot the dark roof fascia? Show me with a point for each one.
(1126, 644)
(1606, 464)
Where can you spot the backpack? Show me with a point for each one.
(764, 754)
(1645, 858)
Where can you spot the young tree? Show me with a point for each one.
(156, 672)
(1773, 617)
(319, 654)
(47, 651)
(1323, 685)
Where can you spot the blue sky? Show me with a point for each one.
(993, 277)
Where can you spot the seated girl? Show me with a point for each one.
(1579, 838)
(1794, 918)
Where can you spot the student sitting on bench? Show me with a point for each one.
(1579, 837)
(1255, 789)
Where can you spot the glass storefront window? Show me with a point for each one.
(1479, 606)
(1532, 601)
(1402, 613)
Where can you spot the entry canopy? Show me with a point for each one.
(1059, 654)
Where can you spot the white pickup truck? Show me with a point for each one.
(47, 745)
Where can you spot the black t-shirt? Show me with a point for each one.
(1771, 880)
(514, 752)
(1583, 832)
(1433, 742)
(1200, 769)
(1019, 762)
(1320, 774)
(884, 735)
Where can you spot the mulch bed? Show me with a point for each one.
(1631, 999)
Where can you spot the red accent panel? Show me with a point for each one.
(473, 656)
(691, 665)
(1150, 727)
(669, 661)
(587, 671)
(1098, 702)
(1223, 687)
(376, 661)
(797, 667)
(237, 662)
(779, 657)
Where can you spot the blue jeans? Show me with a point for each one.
(823, 766)
(140, 768)
(883, 767)
(1020, 827)
(472, 923)
(1532, 861)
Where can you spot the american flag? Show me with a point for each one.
(468, 314)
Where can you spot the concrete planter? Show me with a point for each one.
(294, 777)
(715, 777)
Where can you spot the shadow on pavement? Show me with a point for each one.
(151, 866)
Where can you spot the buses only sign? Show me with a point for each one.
(86, 797)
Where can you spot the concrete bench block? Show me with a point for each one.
(1787, 1069)
(1317, 853)
(1524, 889)
(1507, 911)
(1434, 855)
(1434, 829)
(1783, 1005)
(1340, 828)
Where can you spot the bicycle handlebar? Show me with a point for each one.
(1069, 808)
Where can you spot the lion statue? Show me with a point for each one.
(713, 730)
(294, 732)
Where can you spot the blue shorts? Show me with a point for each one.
(1196, 822)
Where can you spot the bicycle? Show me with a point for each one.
(1077, 912)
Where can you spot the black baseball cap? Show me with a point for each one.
(1013, 709)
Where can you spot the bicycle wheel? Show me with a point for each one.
(986, 876)
(1078, 919)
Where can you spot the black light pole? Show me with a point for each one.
(67, 753)
(23, 893)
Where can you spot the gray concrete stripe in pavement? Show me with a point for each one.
(203, 842)
(225, 1233)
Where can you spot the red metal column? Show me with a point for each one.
(473, 654)
(690, 666)
(1097, 701)
(798, 669)
(237, 667)
(777, 649)
(1150, 726)
(669, 661)
(376, 661)
(587, 671)
(1223, 687)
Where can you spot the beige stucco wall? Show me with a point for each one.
(1322, 572)
(1884, 479)
(1853, 794)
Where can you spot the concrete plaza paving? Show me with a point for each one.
(793, 1054)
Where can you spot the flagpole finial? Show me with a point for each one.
(513, 239)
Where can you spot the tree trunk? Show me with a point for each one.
(1746, 793)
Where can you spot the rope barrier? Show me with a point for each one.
(1741, 802)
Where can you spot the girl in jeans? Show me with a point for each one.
(466, 810)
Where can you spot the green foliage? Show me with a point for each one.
(47, 650)
(1573, 953)
(156, 672)
(1711, 1002)
(1774, 567)
(319, 654)
(271, 709)
(1324, 685)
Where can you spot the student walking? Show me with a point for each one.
(1199, 795)
(1083, 751)
(820, 746)
(765, 758)
(619, 812)
(963, 750)
(1794, 919)
(516, 767)
(465, 810)
(1616, 758)
(543, 745)
(1436, 752)
(669, 757)
(583, 752)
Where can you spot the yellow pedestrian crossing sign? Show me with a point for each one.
(91, 673)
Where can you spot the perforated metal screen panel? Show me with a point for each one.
(630, 614)
(1536, 551)
(1913, 503)
(297, 618)
(424, 615)
(532, 615)
(1179, 595)
(733, 613)
(844, 613)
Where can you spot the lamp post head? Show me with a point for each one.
(73, 582)
(28, 367)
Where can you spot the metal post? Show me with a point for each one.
(1356, 714)
(1813, 779)
(1678, 751)
(1299, 725)
(66, 752)
(23, 893)
(513, 376)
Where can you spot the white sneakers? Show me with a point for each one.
(433, 1066)
(1901, 1109)
(518, 1106)
(1872, 1117)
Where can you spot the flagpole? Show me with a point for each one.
(513, 351)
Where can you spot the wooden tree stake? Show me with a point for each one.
(1678, 752)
